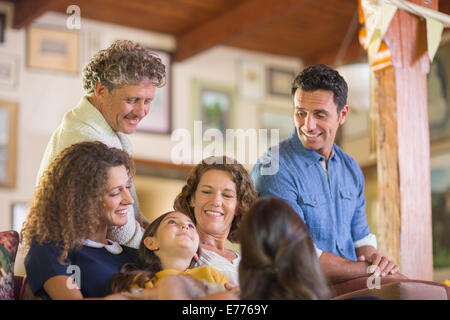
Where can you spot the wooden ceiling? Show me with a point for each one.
(313, 30)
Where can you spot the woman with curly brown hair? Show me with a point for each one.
(84, 192)
(217, 194)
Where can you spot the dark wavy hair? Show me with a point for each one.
(246, 192)
(279, 260)
(67, 206)
(322, 77)
(123, 63)
(150, 264)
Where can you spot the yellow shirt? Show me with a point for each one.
(205, 273)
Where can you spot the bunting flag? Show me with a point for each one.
(376, 16)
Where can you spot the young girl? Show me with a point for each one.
(170, 246)
(278, 256)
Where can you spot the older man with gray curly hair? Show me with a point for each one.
(120, 82)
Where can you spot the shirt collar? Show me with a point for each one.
(112, 247)
(311, 156)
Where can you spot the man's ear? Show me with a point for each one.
(151, 244)
(100, 90)
(343, 114)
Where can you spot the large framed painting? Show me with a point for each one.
(8, 143)
(158, 119)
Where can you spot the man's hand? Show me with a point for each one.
(381, 265)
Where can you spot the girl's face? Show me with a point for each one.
(117, 197)
(215, 202)
(175, 235)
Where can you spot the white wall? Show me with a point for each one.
(44, 96)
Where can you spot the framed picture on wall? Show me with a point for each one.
(213, 105)
(438, 95)
(251, 80)
(19, 212)
(282, 119)
(440, 200)
(8, 143)
(53, 49)
(158, 119)
(279, 82)
(8, 70)
(2, 26)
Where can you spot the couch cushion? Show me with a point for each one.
(9, 242)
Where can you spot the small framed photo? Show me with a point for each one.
(251, 80)
(279, 82)
(282, 119)
(213, 105)
(158, 120)
(8, 70)
(439, 95)
(19, 212)
(2, 26)
(8, 143)
(53, 49)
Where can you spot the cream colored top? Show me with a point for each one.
(86, 123)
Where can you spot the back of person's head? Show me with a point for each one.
(322, 77)
(245, 190)
(67, 205)
(279, 260)
(123, 63)
(149, 265)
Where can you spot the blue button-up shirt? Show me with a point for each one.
(331, 204)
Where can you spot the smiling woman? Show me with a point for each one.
(84, 192)
(217, 194)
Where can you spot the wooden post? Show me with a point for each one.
(403, 148)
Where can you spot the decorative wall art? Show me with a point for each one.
(159, 118)
(8, 70)
(53, 49)
(251, 80)
(213, 105)
(279, 82)
(8, 143)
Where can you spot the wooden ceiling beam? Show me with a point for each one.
(243, 19)
(354, 53)
(26, 11)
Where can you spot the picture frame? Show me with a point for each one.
(279, 81)
(281, 118)
(251, 77)
(440, 201)
(8, 143)
(2, 26)
(8, 70)
(213, 105)
(53, 49)
(19, 212)
(438, 95)
(159, 119)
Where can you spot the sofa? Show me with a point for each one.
(15, 287)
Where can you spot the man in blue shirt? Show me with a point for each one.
(322, 183)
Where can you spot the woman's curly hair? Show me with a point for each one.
(246, 192)
(68, 203)
(278, 260)
(123, 63)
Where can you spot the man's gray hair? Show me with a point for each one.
(123, 63)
